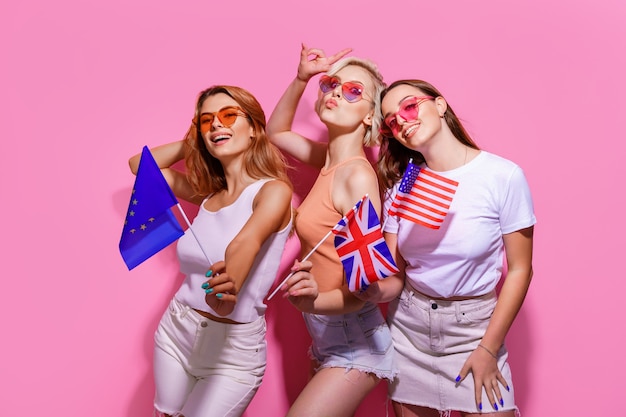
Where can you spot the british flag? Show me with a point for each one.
(360, 244)
(423, 197)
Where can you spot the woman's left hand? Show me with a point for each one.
(220, 289)
(484, 368)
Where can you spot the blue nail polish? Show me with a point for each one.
(220, 295)
(507, 388)
(208, 290)
(458, 378)
(495, 405)
(502, 402)
(205, 285)
(208, 273)
(480, 406)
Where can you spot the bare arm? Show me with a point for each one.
(483, 361)
(166, 156)
(518, 246)
(280, 122)
(271, 213)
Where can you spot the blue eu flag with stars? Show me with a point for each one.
(150, 224)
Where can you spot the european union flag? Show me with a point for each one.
(150, 224)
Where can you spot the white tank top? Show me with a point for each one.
(215, 231)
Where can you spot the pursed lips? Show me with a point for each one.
(330, 103)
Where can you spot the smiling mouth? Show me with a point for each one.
(220, 138)
(410, 130)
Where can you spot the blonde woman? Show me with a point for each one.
(351, 344)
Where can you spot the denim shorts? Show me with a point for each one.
(359, 340)
(433, 339)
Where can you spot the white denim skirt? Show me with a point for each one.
(432, 340)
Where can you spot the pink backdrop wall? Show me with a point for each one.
(84, 85)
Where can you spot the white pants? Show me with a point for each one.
(203, 368)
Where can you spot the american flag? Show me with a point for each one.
(360, 244)
(423, 197)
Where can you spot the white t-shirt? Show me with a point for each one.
(465, 256)
(215, 231)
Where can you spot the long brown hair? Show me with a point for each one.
(261, 160)
(393, 157)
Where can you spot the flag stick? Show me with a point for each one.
(303, 259)
(193, 233)
(315, 248)
(394, 197)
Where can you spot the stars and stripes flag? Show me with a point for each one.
(423, 197)
(150, 224)
(360, 244)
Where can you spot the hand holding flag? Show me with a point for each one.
(360, 244)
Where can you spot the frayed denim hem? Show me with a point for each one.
(158, 413)
(376, 372)
(448, 413)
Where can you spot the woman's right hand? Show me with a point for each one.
(220, 289)
(313, 61)
(301, 288)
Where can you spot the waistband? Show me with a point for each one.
(368, 308)
(196, 317)
(421, 300)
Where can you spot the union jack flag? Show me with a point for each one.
(360, 244)
(423, 197)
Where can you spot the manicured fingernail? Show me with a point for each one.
(502, 402)
(480, 406)
(208, 273)
(205, 285)
(507, 388)
(458, 378)
(220, 295)
(208, 290)
(495, 405)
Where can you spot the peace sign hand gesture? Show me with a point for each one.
(313, 61)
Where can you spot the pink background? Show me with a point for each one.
(84, 85)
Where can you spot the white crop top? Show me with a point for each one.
(465, 256)
(215, 231)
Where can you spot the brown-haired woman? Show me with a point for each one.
(448, 323)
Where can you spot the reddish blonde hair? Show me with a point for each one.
(261, 160)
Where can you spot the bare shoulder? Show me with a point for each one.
(352, 182)
(276, 187)
(358, 175)
(274, 192)
(272, 204)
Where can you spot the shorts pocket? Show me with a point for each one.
(327, 334)
(376, 331)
